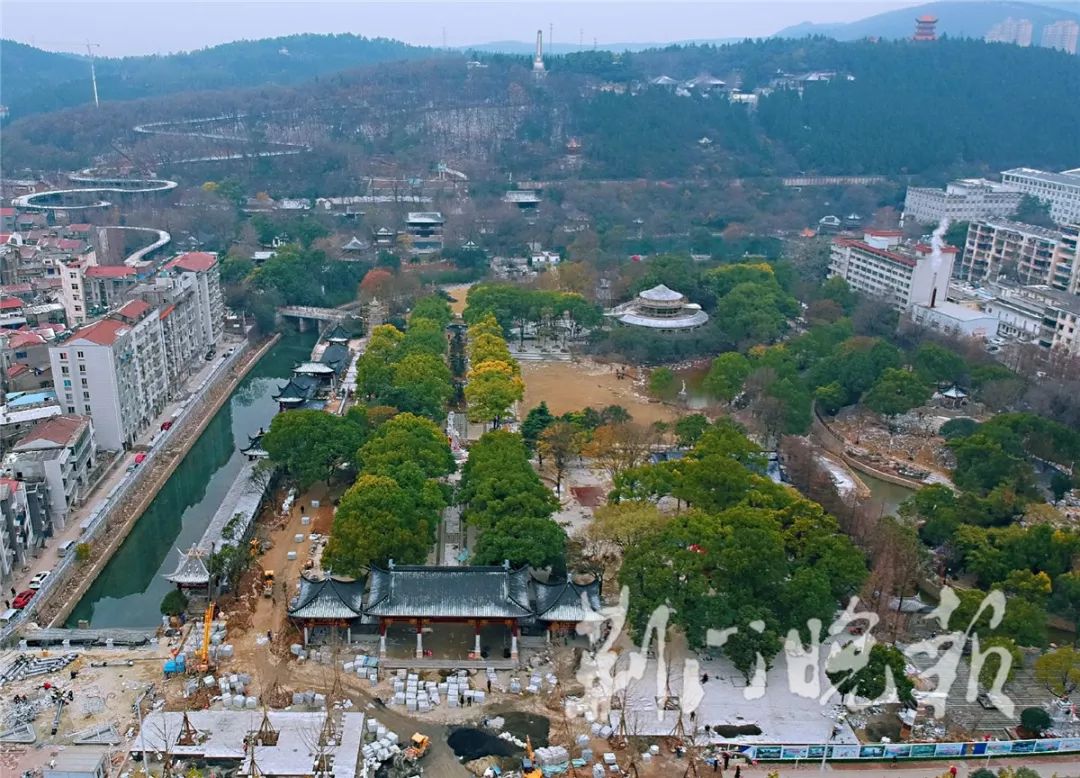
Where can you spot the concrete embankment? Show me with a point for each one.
(128, 511)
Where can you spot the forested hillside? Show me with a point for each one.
(924, 111)
(35, 81)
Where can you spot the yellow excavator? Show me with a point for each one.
(204, 648)
(418, 746)
(528, 764)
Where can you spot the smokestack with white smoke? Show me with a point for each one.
(937, 242)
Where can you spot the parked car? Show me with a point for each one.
(39, 579)
(140, 458)
(166, 425)
(22, 599)
(985, 701)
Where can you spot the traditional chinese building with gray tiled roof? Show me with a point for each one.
(336, 356)
(330, 601)
(418, 595)
(300, 391)
(415, 591)
(191, 571)
(566, 601)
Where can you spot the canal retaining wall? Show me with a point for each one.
(110, 524)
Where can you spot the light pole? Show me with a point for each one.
(142, 729)
(825, 751)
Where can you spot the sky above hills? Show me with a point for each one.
(162, 26)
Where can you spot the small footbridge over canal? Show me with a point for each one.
(306, 315)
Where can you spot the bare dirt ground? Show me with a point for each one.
(571, 386)
(892, 448)
(267, 614)
(458, 292)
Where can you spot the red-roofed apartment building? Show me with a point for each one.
(880, 265)
(60, 453)
(114, 370)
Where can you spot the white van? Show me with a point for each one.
(8, 616)
(64, 548)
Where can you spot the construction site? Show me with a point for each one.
(237, 692)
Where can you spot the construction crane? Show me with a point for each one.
(204, 647)
(93, 72)
(89, 52)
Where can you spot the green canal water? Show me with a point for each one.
(129, 590)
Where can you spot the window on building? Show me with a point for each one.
(86, 395)
(63, 355)
(71, 409)
(82, 368)
(64, 369)
(80, 355)
(84, 383)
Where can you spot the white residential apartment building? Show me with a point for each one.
(1037, 314)
(1011, 30)
(966, 199)
(1060, 190)
(24, 525)
(59, 453)
(187, 292)
(114, 371)
(1063, 35)
(996, 247)
(880, 265)
(198, 272)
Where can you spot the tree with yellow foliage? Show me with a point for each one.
(491, 389)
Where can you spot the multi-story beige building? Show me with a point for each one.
(1060, 190)
(1063, 35)
(880, 265)
(996, 247)
(91, 289)
(964, 200)
(1065, 266)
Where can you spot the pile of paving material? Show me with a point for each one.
(553, 759)
(380, 743)
(364, 666)
(421, 696)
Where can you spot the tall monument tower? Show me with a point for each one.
(538, 57)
